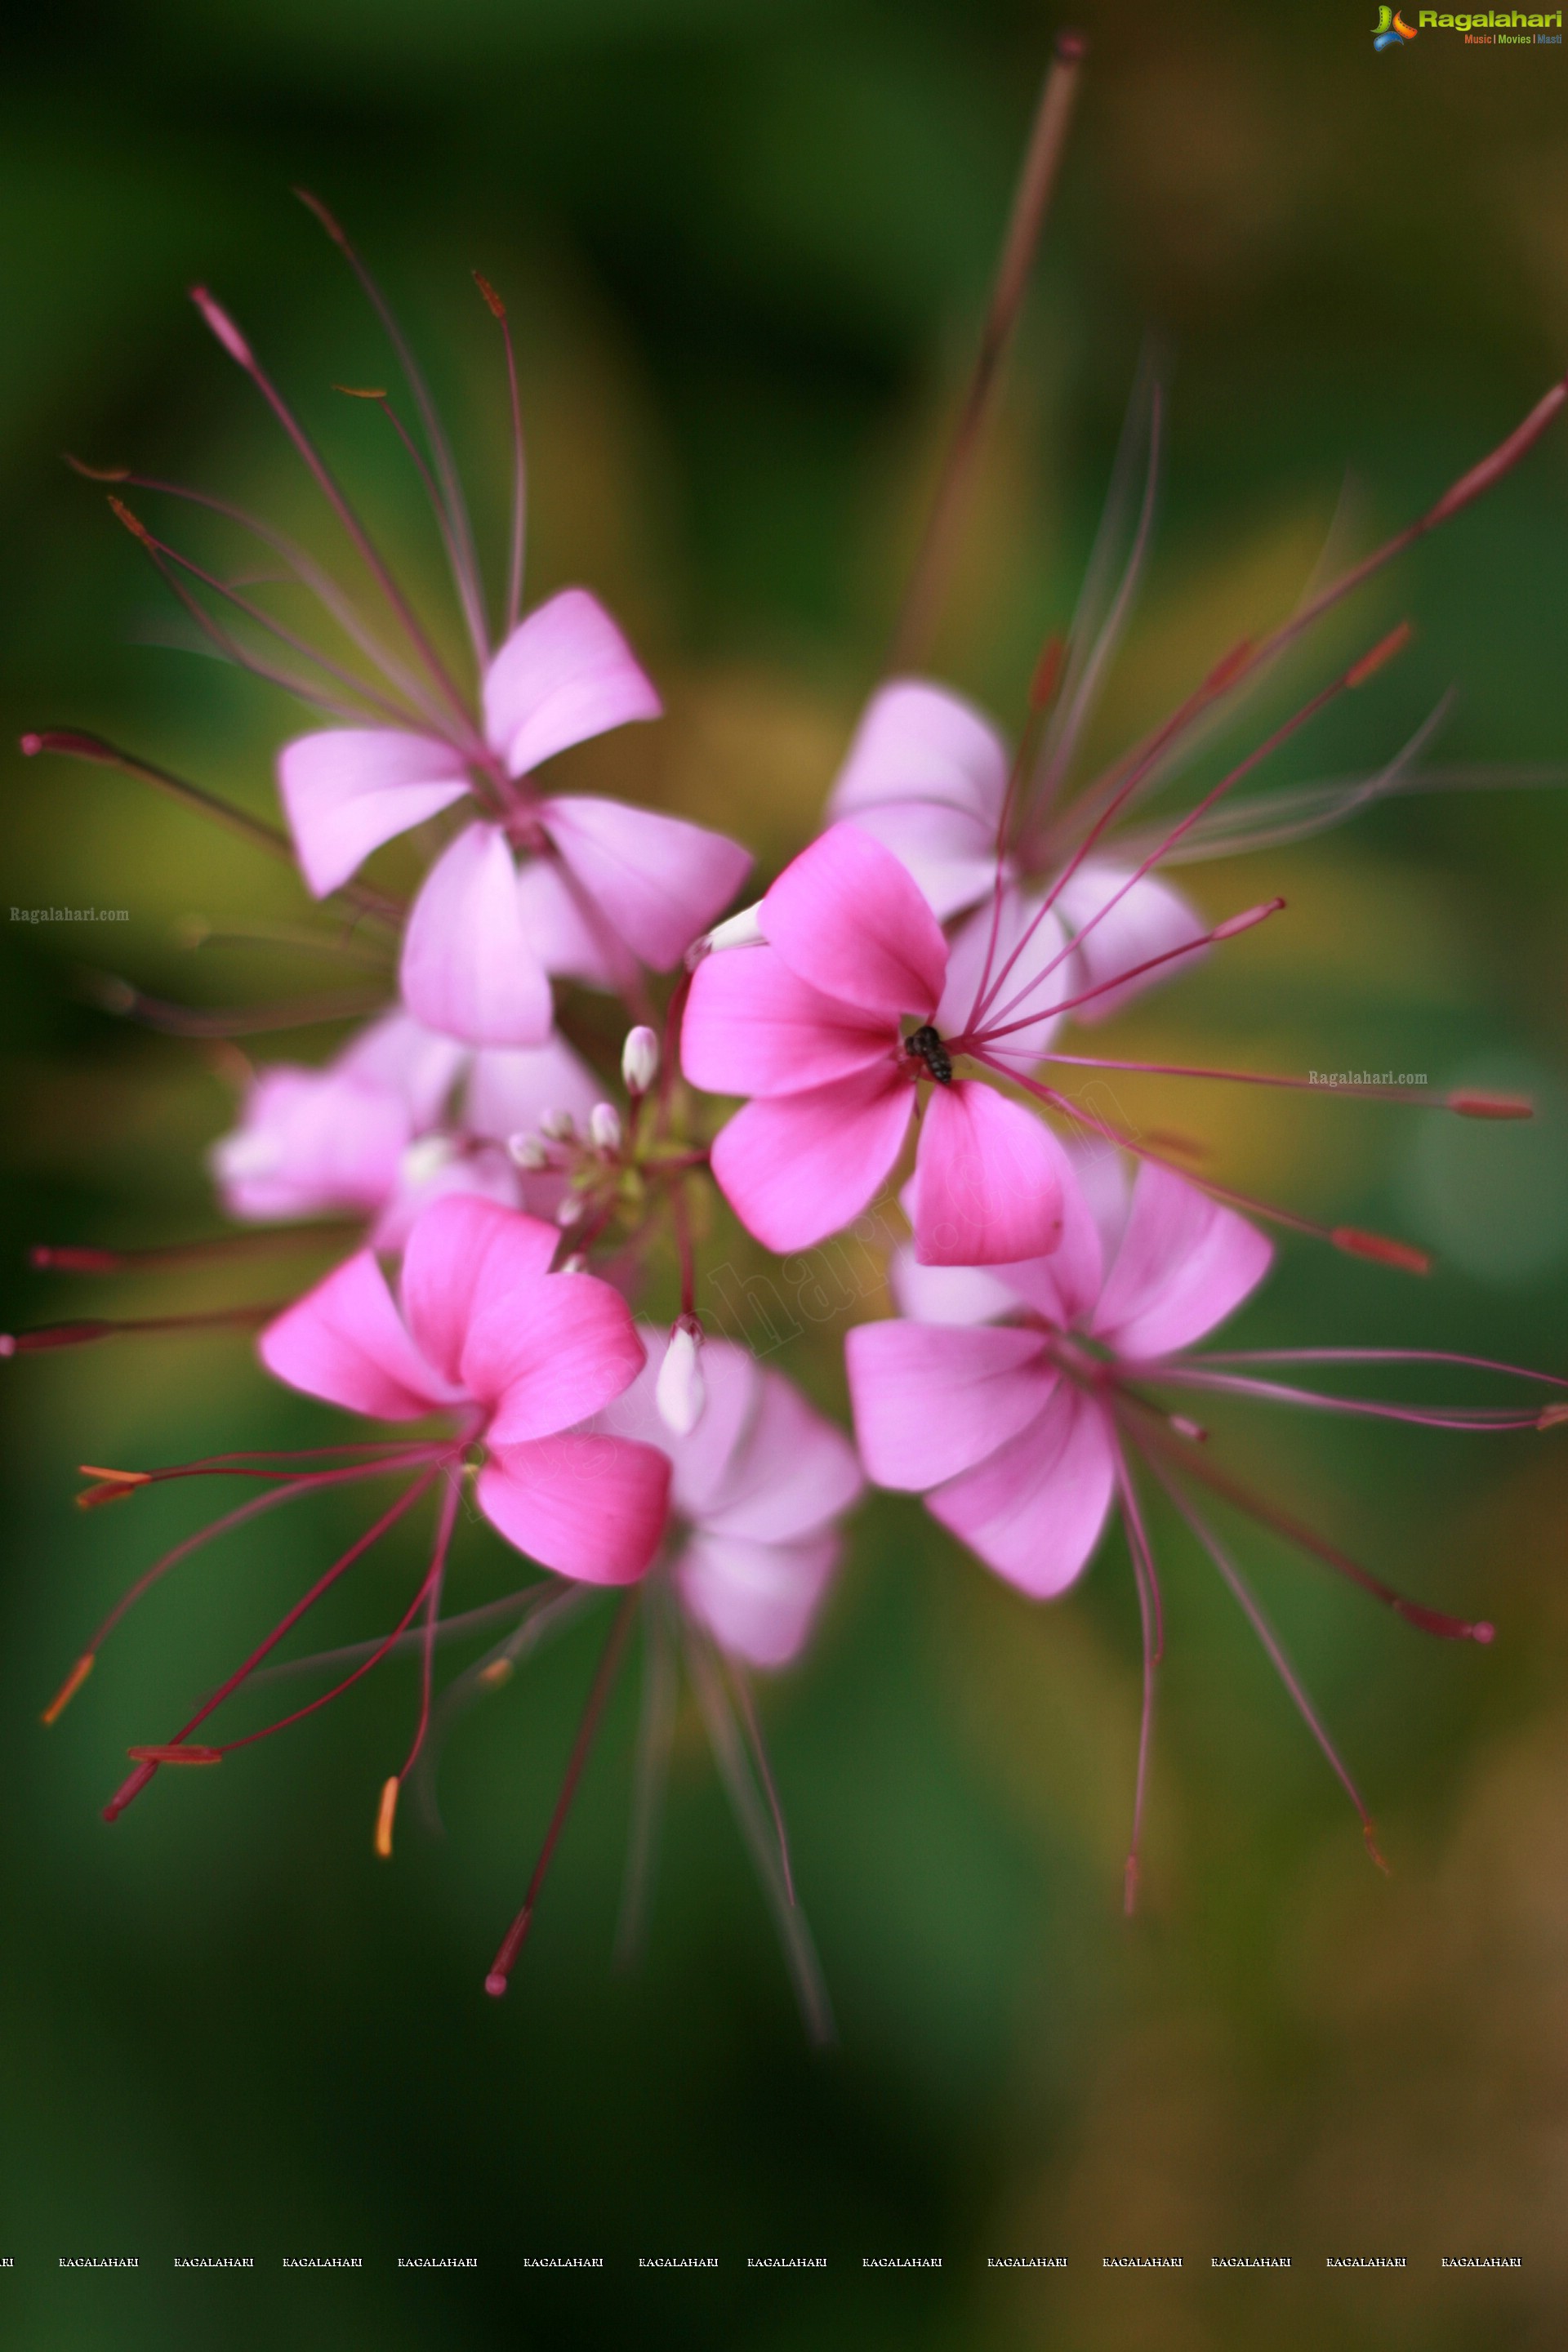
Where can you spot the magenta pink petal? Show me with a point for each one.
(800, 1167)
(549, 1353)
(563, 675)
(1064, 1286)
(559, 933)
(345, 1342)
(463, 1255)
(848, 919)
(658, 881)
(989, 1179)
(1149, 922)
(757, 1599)
(792, 1472)
(926, 775)
(349, 789)
(468, 968)
(972, 952)
(1185, 1263)
(931, 1400)
(310, 1142)
(589, 1507)
(751, 1027)
(1034, 1511)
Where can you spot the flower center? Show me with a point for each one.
(924, 1046)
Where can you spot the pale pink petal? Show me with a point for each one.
(1183, 1264)
(733, 1380)
(559, 933)
(989, 1179)
(396, 1053)
(949, 1294)
(462, 1255)
(1149, 922)
(848, 919)
(548, 1353)
(349, 789)
(931, 1400)
(797, 1168)
(926, 774)
(564, 674)
(751, 1028)
(792, 1472)
(589, 1507)
(757, 1599)
(486, 1174)
(310, 1142)
(345, 1342)
(468, 968)
(1035, 1511)
(508, 1089)
(658, 881)
(972, 960)
(1064, 1288)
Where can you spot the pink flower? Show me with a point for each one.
(927, 774)
(376, 1133)
(602, 885)
(756, 1491)
(485, 1331)
(997, 1401)
(811, 1024)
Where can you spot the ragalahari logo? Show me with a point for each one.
(1392, 30)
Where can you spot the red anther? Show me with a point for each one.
(223, 327)
(1384, 651)
(134, 523)
(1551, 1416)
(1473, 1106)
(362, 391)
(1482, 1633)
(1491, 470)
(1071, 47)
(1372, 1847)
(1047, 673)
(72, 1260)
(1192, 1429)
(95, 473)
(1226, 671)
(314, 204)
(491, 297)
(68, 1688)
(68, 740)
(1383, 1252)
(1234, 925)
(178, 1754)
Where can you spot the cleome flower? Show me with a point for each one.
(1015, 1398)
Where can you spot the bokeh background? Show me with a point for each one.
(746, 248)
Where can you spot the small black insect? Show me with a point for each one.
(926, 1046)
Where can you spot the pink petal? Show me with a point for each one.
(485, 1175)
(549, 1353)
(1184, 1263)
(657, 880)
(510, 1089)
(408, 1060)
(349, 789)
(701, 1460)
(848, 919)
(590, 1508)
(797, 1168)
(931, 1400)
(967, 967)
(1148, 922)
(791, 1474)
(1035, 1511)
(462, 1255)
(564, 674)
(558, 931)
(757, 1599)
(468, 968)
(990, 1178)
(926, 775)
(1064, 1286)
(345, 1342)
(310, 1142)
(751, 1027)
(949, 1294)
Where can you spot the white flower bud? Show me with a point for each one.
(528, 1153)
(639, 1060)
(680, 1393)
(559, 1125)
(573, 1211)
(604, 1127)
(742, 930)
(575, 1263)
(424, 1158)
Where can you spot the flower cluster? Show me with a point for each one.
(499, 1211)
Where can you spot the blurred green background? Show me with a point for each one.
(746, 247)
